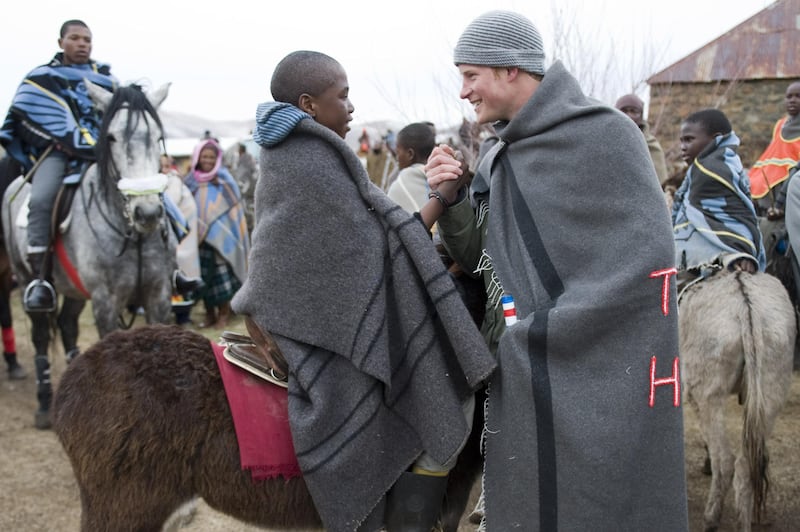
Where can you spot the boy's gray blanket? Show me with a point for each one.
(381, 349)
(577, 225)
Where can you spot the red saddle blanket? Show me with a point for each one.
(261, 420)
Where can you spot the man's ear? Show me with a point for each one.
(512, 73)
(306, 103)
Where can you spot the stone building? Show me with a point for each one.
(744, 72)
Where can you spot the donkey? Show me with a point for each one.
(145, 422)
(737, 335)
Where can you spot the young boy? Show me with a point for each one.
(382, 353)
(415, 142)
(714, 220)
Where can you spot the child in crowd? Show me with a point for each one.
(714, 220)
(415, 142)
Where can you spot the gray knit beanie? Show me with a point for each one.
(501, 39)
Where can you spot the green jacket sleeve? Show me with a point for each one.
(461, 238)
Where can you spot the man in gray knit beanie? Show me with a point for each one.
(501, 39)
(566, 215)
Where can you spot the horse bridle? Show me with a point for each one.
(128, 188)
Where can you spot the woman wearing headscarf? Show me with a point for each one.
(221, 231)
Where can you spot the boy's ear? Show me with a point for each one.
(306, 103)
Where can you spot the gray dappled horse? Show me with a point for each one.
(119, 248)
(737, 336)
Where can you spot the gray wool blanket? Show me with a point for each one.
(381, 350)
(577, 225)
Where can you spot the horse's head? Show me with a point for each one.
(129, 149)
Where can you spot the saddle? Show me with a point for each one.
(61, 208)
(257, 353)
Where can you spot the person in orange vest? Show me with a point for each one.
(774, 166)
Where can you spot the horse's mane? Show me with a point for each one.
(134, 100)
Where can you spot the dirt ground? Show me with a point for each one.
(39, 493)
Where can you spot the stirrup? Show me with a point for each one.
(39, 284)
(257, 354)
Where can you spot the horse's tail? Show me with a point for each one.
(752, 396)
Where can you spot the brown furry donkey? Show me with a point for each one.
(145, 422)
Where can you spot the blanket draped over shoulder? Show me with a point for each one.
(713, 205)
(381, 349)
(220, 219)
(55, 107)
(571, 440)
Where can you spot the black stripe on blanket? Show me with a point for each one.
(537, 339)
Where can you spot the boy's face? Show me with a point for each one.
(693, 139)
(405, 156)
(793, 99)
(76, 44)
(486, 88)
(332, 108)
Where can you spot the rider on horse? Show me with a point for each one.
(51, 129)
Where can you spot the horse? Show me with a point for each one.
(737, 335)
(115, 247)
(144, 419)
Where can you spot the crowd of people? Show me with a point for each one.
(358, 298)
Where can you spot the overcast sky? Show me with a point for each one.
(219, 56)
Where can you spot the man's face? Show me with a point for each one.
(486, 89)
(635, 113)
(76, 44)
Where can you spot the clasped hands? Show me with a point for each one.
(446, 171)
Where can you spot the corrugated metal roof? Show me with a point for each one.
(763, 46)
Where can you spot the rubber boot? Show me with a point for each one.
(414, 502)
(39, 296)
(15, 371)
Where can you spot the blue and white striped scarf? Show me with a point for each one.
(274, 122)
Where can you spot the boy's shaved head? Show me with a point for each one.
(303, 72)
(713, 121)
